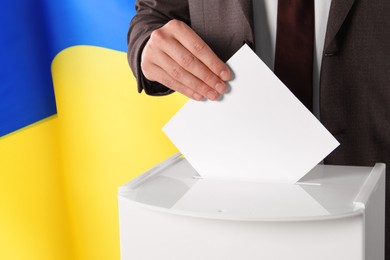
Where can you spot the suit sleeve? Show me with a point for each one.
(151, 15)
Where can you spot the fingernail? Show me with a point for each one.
(220, 88)
(212, 95)
(224, 75)
(198, 96)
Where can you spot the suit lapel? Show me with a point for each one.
(339, 10)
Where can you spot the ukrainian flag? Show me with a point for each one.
(72, 127)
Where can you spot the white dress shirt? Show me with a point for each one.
(265, 17)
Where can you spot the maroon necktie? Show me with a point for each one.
(294, 48)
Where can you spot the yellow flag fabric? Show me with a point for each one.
(63, 203)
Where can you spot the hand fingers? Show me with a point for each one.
(167, 80)
(196, 73)
(185, 78)
(156, 65)
(190, 63)
(191, 41)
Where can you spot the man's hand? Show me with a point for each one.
(178, 58)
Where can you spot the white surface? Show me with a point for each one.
(326, 192)
(254, 128)
(152, 227)
(265, 17)
(251, 199)
(150, 235)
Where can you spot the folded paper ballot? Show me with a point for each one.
(258, 130)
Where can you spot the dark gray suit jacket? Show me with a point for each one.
(355, 72)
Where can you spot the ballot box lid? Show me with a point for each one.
(326, 192)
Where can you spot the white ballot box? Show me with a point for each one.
(334, 212)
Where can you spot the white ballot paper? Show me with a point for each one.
(258, 130)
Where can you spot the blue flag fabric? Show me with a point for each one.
(33, 32)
